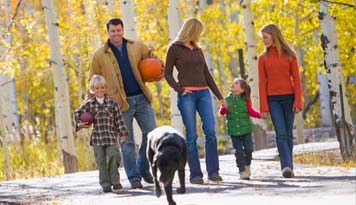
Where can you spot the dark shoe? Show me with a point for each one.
(136, 185)
(116, 187)
(107, 189)
(216, 178)
(197, 180)
(287, 172)
(147, 177)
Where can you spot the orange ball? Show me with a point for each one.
(150, 69)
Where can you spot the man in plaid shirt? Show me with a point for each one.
(108, 126)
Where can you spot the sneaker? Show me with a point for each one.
(248, 170)
(147, 177)
(197, 180)
(116, 187)
(107, 189)
(215, 178)
(244, 175)
(136, 185)
(287, 172)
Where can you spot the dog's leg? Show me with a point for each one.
(157, 186)
(168, 190)
(181, 175)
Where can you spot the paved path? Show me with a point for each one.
(313, 185)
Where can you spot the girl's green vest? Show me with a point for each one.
(237, 118)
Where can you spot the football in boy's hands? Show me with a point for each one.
(87, 117)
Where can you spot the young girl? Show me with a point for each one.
(108, 125)
(280, 91)
(238, 110)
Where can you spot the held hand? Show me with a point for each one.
(296, 110)
(223, 102)
(264, 115)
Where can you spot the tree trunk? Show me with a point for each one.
(259, 126)
(128, 18)
(339, 105)
(64, 129)
(10, 118)
(174, 25)
(325, 112)
(91, 21)
(299, 123)
(110, 6)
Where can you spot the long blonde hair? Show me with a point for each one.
(192, 28)
(278, 40)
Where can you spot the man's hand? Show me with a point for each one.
(122, 138)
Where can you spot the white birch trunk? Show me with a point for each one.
(84, 134)
(174, 25)
(110, 6)
(64, 129)
(10, 121)
(128, 18)
(339, 105)
(5, 152)
(298, 118)
(251, 55)
(209, 62)
(90, 14)
(325, 112)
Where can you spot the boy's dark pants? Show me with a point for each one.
(243, 150)
(106, 158)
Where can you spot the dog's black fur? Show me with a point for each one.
(166, 153)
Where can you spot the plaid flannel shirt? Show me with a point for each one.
(108, 123)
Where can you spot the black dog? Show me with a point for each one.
(166, 153)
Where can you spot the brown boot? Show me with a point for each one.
(244, 175)
(248, 170)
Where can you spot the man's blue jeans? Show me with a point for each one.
(281, 110)
(141, 110)
(243, 150)
(188, 105)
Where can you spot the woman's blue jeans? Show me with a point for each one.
(141, 110)
(189, 104)
(281, 110)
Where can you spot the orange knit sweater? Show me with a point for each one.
(278, 76)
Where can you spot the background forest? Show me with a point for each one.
(81, 23)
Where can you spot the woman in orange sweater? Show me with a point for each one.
(280, 91)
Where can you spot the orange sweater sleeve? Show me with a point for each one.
(297, 85)
(262, 79)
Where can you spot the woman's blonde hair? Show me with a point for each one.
(191, 31)
(278, 40)
(95, 79)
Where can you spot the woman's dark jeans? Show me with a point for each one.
(281, 111)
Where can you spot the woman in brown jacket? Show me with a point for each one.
(194, 82)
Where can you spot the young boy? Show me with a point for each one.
(107, 126)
